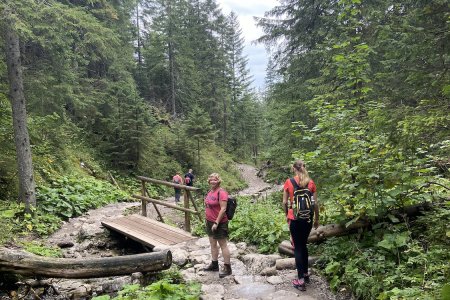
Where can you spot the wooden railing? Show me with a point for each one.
(187, 196)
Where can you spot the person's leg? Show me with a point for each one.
(295, 230)
(303, 236)
(214, 249)
(214, 265)
(225, 251)
(226, 258)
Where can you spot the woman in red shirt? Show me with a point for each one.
(300, 226)
(217, 225)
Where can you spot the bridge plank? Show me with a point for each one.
(147, 231)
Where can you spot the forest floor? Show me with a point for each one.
(90, 239)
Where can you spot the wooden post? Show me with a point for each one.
(187, 215)
(144, 203)
(193, 203)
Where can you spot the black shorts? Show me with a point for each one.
(221, 231)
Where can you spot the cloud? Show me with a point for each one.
(256, 54)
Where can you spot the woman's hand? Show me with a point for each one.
(214, 227)
(316, 224)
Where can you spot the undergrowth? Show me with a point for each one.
(260, 223)
(408, 260)
(42, 250)
(63, 198)
(169, 286)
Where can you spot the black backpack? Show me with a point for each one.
(303, 203)
(231, 206)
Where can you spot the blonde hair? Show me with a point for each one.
(300, 169)
(215, 175)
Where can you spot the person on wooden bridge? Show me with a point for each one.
(217, 225)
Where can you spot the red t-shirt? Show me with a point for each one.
(213, 206)
(290, 189)
(177, 179)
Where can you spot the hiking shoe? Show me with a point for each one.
(225, 271)
(299, 284)
(306, 278)
(213, 266)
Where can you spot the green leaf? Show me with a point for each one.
(386, 244)
(8, 213)
(393, 218)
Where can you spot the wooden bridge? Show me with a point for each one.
(150, 232)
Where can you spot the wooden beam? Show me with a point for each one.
(154, 205)
(166, 183)
(165, 204)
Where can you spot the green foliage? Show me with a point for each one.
(262, 223)
(68, 197)
(17, 223)
(162, 289)
(7, 149)
(42, 250)
(408, 262)
(380, 156)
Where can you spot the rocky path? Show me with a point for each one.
(254, 275)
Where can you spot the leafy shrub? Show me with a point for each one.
(71, 196)
(16, 222)
(160, 290)
(262, 223)
(394, 261)
(42, 250)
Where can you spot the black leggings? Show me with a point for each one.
(300, 230)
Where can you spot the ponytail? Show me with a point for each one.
(300, 169)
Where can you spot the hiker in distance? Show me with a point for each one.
(217, 225)
(178, 180)
(189, 178)
(301, 206)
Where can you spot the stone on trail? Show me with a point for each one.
(253, 290)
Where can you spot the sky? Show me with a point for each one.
(256, 54)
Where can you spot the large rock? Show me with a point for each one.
(258, 262)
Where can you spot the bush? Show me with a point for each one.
(262, 223)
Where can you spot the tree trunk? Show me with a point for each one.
(19, 113)
(19, 262)
(171, 59)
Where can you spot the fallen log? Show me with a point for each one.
(323, 232)
(289, 263)
(20, 262)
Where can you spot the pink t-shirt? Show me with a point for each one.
(213, 206)
(177, 179)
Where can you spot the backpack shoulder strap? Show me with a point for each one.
(294, 184)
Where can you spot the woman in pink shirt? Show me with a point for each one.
(217, 225)
(178, 180)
